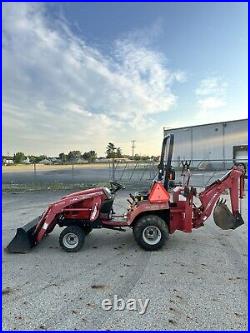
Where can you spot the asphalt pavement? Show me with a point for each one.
(198, 281)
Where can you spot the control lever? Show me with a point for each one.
(132, 197)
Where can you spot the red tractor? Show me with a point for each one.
(152, 215)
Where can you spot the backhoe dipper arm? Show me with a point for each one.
(234, 181)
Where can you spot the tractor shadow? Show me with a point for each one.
(123, 242)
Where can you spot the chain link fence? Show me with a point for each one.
(203, 172)
(131, 174)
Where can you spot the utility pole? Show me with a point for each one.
(133, 148)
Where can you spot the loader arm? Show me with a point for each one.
(48, 219)
(33, 232)
(232, 181)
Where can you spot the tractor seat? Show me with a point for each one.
(106, 206)
(143, 195)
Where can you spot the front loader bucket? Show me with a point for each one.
(224, 219)
(24, 239)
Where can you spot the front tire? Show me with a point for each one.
(150, 232)
(72, 239)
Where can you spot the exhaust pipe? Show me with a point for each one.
(224, 219)
(24, 239)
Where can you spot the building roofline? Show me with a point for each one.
(219, 122)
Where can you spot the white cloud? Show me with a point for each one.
(77, 109)
(211, 94)
(210, 86)
(211, 102)
(60, 93)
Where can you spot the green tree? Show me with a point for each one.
(74, 155)
(118, 152)
(110, 150)
(19, 157)
(40, 158)
(90, 156)
(155, 158)
(63, 157)
(32, 158)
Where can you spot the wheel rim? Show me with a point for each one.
(70, 240)
(151, 235)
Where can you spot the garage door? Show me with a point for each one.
(241, 155)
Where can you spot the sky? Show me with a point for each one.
(79, 75)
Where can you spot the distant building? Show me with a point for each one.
(45, 161)
(103, 160)
(215, 141)
(122, 159)
(80, 161)
(26, 161)
(108, 160)
(55, 160)
(8, 160)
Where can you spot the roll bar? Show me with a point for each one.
(166, 167)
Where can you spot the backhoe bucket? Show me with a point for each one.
(224, 219)
(24, 239)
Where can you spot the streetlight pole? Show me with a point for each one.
(133, 148)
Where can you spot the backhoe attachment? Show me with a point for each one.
(232, 181)
(224, 219)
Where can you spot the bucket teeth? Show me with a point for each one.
(221, 202)
(224, 218)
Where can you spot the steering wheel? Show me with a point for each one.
(115, 187)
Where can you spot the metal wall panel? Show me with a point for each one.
(209, 141)
(182, 144)
(236, 134)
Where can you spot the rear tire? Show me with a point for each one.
(87, 230)
(72, 238)
(150, 232)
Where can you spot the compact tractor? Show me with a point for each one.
(152, 215)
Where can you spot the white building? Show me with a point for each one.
(26, 161)
(215, 141)
(8, 161)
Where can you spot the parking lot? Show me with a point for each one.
(197, 281)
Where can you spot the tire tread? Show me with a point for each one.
(76, 230)
(146, 221)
